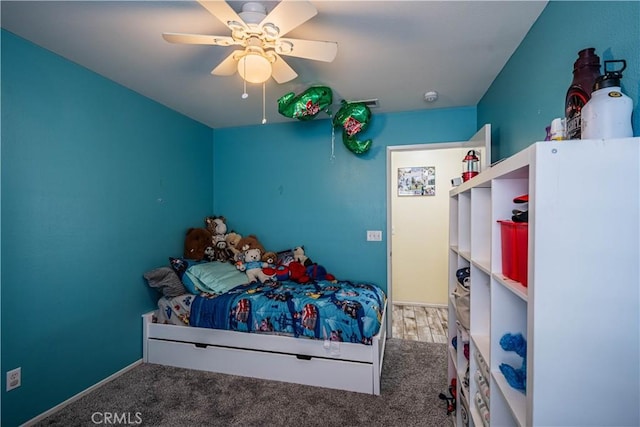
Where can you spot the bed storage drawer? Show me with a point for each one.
(330, 373)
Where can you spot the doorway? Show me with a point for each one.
(418, 233)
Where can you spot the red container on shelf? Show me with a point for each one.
(515, 239)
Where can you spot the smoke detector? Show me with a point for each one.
(431, 96)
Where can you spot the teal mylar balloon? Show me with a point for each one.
(306, 105)
(353, 118)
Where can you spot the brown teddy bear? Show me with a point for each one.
(270, 258)
(232, 238)
(196, 242)
(249, 242)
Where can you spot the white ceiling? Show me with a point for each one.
(391, 50)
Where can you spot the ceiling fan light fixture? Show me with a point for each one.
(254, 68)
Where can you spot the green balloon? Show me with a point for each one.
(306, 105)
(354, 144)
(353, 118)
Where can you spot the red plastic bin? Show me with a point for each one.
(515, 238)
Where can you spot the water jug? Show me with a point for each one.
(608, 112)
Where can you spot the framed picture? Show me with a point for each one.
(417, 181)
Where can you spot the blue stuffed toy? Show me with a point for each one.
(517, 378)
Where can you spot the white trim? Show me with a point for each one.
(428, 146)
(83, 393)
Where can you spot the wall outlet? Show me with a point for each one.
(374, 235)
(14, 378)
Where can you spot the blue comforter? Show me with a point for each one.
(338, 311)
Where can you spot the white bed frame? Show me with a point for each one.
(338, 365)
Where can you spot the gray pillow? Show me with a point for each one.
(165, 280)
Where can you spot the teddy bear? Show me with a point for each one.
(196, 242)
(270, 258)
(217, 226)
(233, 254)
(299, 255)
(252, 265)
(250, 242)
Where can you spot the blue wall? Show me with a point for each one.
(279, 182)
(98, 185)
(84, 164)
(530, 90)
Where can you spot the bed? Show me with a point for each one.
(326, 333)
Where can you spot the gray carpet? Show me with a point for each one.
(414, 373)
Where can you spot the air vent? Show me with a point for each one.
(371, 103)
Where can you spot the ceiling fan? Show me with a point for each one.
(260, 36)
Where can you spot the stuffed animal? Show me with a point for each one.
(298, 272)
(217, 226)
(209, 254)
(282, 272)
(318, 272)
(270, 258)
(250, 242)
(252, 266)
(196, 242)
(233, 254)
(298, 255)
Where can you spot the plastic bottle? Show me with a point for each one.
(586, 70)
(608, 112)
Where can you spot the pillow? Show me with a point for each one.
(180, 266)
(215, 277)
(166, 281)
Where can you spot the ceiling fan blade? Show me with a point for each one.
(198, 39)
(308, 49)
(289, 14)
(281, 71)
(224, 12)
(228, 66)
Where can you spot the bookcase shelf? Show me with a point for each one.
(580, 308)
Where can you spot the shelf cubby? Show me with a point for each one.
(582, 267)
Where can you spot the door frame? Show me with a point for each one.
(482, 139)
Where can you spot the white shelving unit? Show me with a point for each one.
(580, 313)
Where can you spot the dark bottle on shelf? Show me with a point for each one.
(586, 70)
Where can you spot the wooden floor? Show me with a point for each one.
(420, 323)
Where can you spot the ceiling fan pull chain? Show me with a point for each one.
(245, 95)
(264, 114)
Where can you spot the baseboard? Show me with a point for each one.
(420, 304)
(81, 394)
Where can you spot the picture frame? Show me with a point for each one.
(417, 181)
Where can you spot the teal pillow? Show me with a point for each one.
(215, 277)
